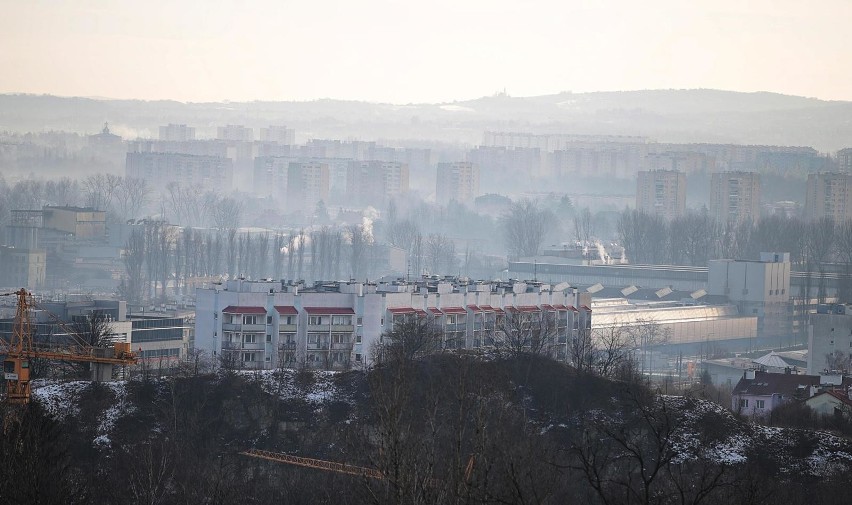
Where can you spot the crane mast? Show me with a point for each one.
(20, 349)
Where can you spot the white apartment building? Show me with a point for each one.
(661, 193)
(177, 133)
(735, 197)
(235, 132)
(307, 184)
(278, 134)
(375, 182)
(458, 181)
(269, 324)
(829, 195)
(201, 172)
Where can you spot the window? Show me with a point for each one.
(315, 320)
(341, 320)
(340, 338)
(758, 404)
(249, 357)
(743, 403)
(268, 337)
(250, 319)
(358, 357)
(287, 320)
(249, 338)
(268, 319)
(451, 319)
(358, 340)
(360, 321)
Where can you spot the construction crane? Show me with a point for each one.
(333, 466)
(20, 349)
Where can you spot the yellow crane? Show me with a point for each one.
(20, 349)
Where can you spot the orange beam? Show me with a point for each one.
(319, 464)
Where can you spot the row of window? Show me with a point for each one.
(247, 319)
(758, 404)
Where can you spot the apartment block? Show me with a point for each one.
(829, 195)
(307, 184)
(457, 181)
(265, 324)
(278, 134)
(235, 133)
(177, 132)
(661, 193)
(200, 172)
(735, 197)
(844, 160)
(376, 182)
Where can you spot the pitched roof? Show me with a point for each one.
(453, 310)
(286, 310)
(842, 398)
(401, 310)
(474, 308)
(235, 309)
(771, 360)
(767, 384)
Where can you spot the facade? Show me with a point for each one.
(759, 288)
(177, 132)
(457, 181)
(278, 134)
(735, 197)
(265, 324)
(376, 182)
(195, 171)
(829, 195)
(307, 184)
(22, 268)
(84, 223)
(844, 160)
(236, 133)
(661, 193)
(830, 340)
(757, 393)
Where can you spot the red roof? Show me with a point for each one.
(333, 311)
(286, 310)
(544, 306)
(453, 310)
(420, 312)
(529, 308)
(233, 309)
(436, 311)
(509, 308)
(573, 308)
(499, 310)
(474, 308)
(487, 308)
(584, 307)
(401, 310)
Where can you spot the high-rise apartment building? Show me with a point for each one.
(199, 172)
(375, 182)
(735, 197)
(278, 134)
(829, 195)
(307, 184)
(458, 181)
(661, 193)
(844, 160)
(177, 133)
(235, 132)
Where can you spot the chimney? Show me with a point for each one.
(749, 374)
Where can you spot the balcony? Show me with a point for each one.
(284, 346)
(321, 346)
(342, 328)
(249, 328)
(347, 346)
(286, 328)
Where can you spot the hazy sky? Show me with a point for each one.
(406, 51)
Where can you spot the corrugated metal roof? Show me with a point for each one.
(286, 310)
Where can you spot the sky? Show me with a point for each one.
(408, 52)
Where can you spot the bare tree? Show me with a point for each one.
(525, 226)
(131, 195)
(134, 259)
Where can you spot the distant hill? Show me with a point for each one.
(699, 115)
